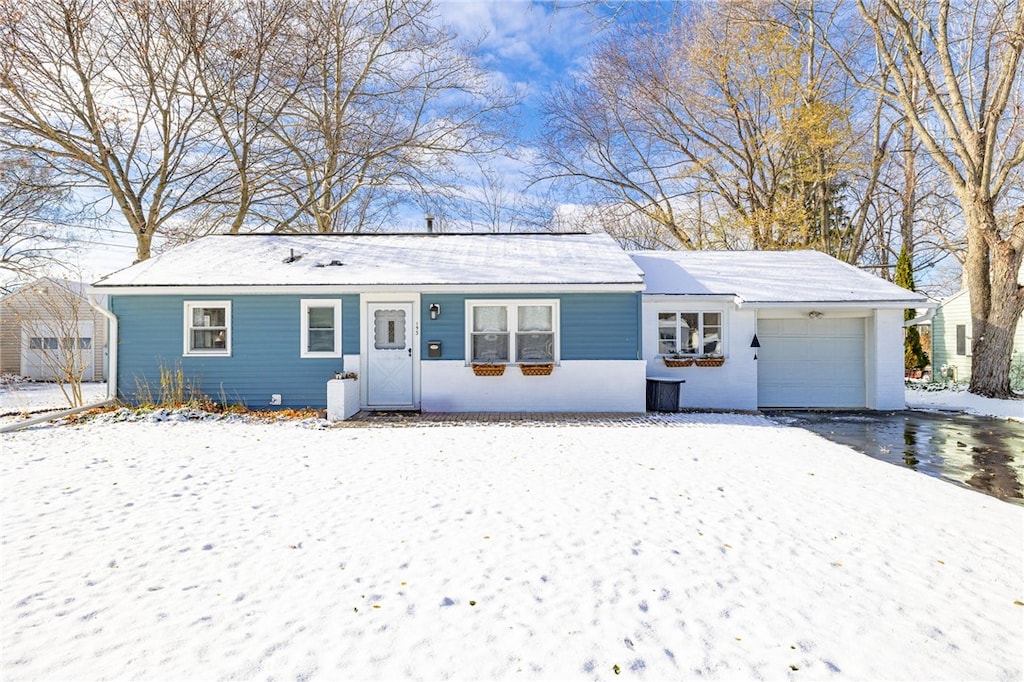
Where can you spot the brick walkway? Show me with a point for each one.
(365, 418)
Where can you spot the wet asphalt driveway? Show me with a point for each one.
(981, 453)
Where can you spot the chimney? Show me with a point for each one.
(430, 223)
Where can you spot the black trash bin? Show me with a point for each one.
(663, 394)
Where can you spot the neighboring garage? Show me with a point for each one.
(48, 330)
(811, 363)
(49, 349)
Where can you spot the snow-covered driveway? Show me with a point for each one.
(729, 548)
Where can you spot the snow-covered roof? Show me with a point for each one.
(40, 288)
(361, 260)
(769, 277)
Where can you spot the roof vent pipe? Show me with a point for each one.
(430, 223)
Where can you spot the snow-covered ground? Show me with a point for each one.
(722, 546)
(31, 396)
(959, 399)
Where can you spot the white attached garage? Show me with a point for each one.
(799, 329)
(812, 363)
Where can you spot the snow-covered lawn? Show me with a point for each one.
(959, 399)
(30, 396)
(724, 546)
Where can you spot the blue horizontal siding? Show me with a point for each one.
(593, 326)
(265, 338)
(265, 347)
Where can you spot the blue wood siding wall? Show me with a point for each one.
(265, 341)
(593, 326)
(264, 359)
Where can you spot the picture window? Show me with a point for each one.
(690, 333)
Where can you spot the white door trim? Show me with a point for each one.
(365, 300)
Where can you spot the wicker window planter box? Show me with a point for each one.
(483, 370)
(709, 362)
(537, 370)
(676, 362)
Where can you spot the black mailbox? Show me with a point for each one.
(433, 349)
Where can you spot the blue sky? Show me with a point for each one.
(529, 45)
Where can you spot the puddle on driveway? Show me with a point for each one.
(982, 453)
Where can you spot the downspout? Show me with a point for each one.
(640, 325)
(111, 346)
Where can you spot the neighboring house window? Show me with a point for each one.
(75, 343)
(961, 339)
(690, 333)
(513, 331)
(321, 329)
(207, 328)
(43, 343)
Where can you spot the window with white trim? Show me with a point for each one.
(207, 328)
(961, 339)
(321, 328)
(502, 332)
(696, 333)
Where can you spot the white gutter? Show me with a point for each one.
(833, 305)
(334, 289)
(111, 347)
(921, 319)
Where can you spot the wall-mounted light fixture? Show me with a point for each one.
(755, 344)
(435, 311)
(815, 315)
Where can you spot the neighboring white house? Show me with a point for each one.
(827, 334)
(952, 339)
(46, 323)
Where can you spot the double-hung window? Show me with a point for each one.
(697, 333)
(207, 328)
(321, 328)
(961, 339)
(513, 331)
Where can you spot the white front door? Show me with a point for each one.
(389, 355)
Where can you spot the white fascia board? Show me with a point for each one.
(319, 290)
(826, 305)
(674, 298)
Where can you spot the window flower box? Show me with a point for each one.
(710, 361)
(538, 369)
(676, 361)
(487, 370)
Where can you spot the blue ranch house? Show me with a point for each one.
(433, 322)
(537, 322)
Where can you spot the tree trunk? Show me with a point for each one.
(997, 299)
(143, 243)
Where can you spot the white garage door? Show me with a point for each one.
(50, 350)
(811, 363)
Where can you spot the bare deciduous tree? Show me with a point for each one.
(106, 92)
(737, 103)
(247, 74)
(966, 59)
(31, 209)
(195, 115)
(388, 103)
